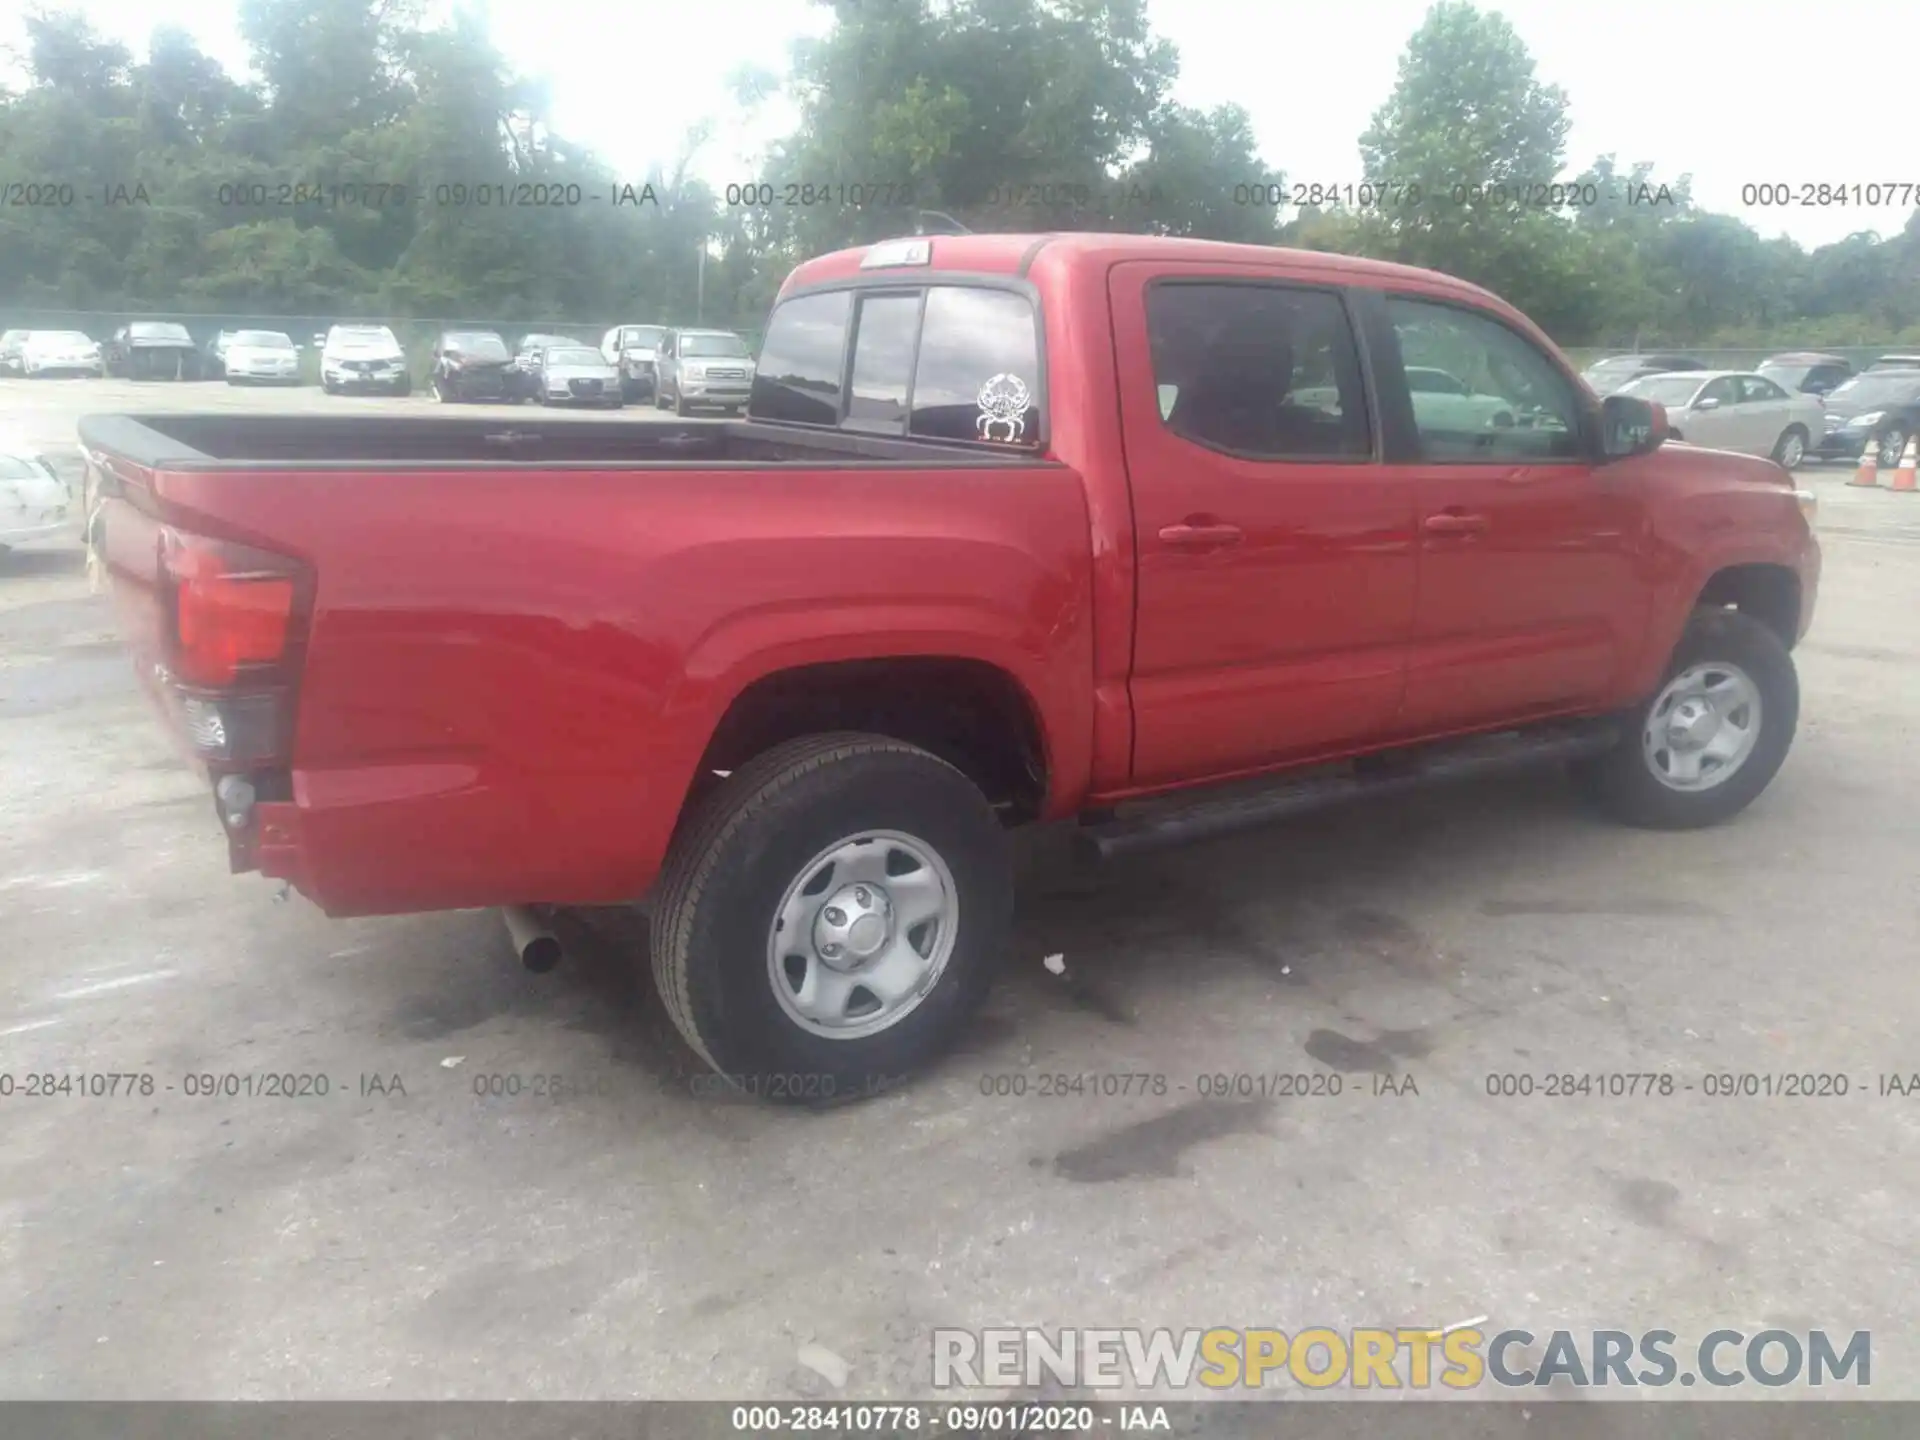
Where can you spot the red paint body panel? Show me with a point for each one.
(511, 673)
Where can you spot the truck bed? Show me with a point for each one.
(515, 637)
(216, 442)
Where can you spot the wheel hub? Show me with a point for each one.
(853, 926)
(1692, 725)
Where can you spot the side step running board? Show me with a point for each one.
(1389, 775)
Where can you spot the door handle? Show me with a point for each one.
(1451, 522)
(1193, 537)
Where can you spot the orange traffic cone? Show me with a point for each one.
(1869, 471)
(1903, 476)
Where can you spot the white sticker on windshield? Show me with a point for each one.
(1003, 408)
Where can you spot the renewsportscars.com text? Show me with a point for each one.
(1461, 1358)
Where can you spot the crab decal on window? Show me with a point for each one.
(1003, 408)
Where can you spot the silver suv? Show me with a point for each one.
(708, 368)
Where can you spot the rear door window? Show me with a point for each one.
(1264, 371)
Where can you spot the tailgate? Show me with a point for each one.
(216, 628)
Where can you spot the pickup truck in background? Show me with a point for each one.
(1142, 532)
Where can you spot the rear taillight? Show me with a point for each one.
(236, 617)
(233, 608)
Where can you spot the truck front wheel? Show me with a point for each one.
(830, 916)
(1713, 735)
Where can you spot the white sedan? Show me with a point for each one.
(34, 503)
(1735, 410)
(261, 357)
(59, 352)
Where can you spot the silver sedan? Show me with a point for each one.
(1735, 410)
(576, 375)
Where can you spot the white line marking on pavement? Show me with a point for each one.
(30, 1025)
(101, 987)
(53, 882)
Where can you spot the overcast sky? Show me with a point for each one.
(1702, 86)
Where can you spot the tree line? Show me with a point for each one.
(378, 165)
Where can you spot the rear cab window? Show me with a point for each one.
(930, 359)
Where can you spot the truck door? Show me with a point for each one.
(1529, 601)
(1275, 553)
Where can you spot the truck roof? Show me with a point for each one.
(1015, 254)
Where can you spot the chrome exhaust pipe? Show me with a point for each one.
(536, 945)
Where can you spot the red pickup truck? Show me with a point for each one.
(1017, 529)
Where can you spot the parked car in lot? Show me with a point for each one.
(633, 348)
(575, 374)
(363, 357)
(791, 681)
(475, 365)
(1607, 376)
(34, 502)
(1445, 399)
(260, 357)
(1880, 408)
(1896, 362)
(707, 369)
(152, 350)
(1736, 410)
(213, 363)
(526, 354)
(1809, 372)
(60, 352)
(10, 343)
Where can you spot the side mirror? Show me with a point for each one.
(1710, 403)
(1631, 426)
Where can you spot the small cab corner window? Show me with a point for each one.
(1506, 399)
(799, 376)
(1266, 371)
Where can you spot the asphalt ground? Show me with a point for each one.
(408, 1236)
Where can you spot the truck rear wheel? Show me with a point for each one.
(830, 916)
(1713, 735)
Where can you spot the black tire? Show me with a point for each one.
(328, 386)
(405, 387)
(679, 404)
(1782, 445)
(1892, 444)
(1623, 783)
(732, 862)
